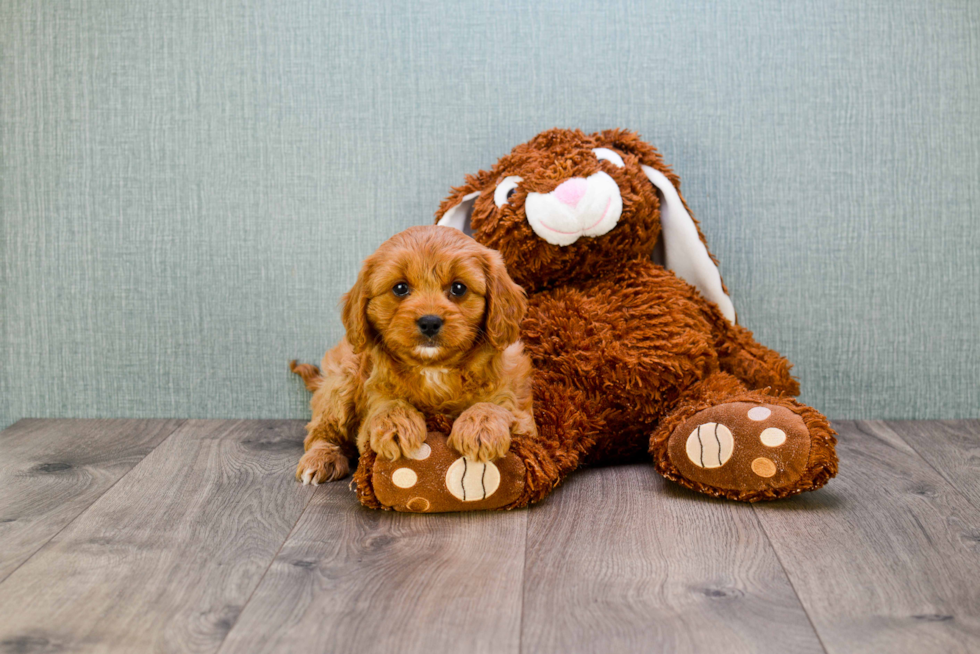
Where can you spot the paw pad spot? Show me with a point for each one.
(772, 437)
(418, 504)
(759, 413)
(404, 478)
(421, 454)
(764, 467)
(469, 480)
(710, 445)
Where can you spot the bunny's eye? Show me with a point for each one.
(605, 154)
(400, 289)
(505, 189)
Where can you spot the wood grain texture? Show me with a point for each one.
(887, 557)
(208, 544)
(166, 559)
(52, 470)
(621, 560)
(355, 580)
(952, 448)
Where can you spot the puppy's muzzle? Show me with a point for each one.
(429, 326)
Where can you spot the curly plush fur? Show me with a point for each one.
(625, 351)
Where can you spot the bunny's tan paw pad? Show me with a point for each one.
(741, 446)
(437, 479)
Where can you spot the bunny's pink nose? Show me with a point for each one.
(571, 190)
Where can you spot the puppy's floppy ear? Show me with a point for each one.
(354, 312)
(506, 303)
(684, 250)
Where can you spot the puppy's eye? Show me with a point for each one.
(400, 289)
(505, 189)
(458, 289)
(605, 154)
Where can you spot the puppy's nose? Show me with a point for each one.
(429, 325)
(571, 191)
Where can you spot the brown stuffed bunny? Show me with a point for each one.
(633, 353)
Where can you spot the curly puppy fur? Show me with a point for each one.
(624, 350)
(394, 369)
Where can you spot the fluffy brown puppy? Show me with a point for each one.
(630, 327)
(432, 329)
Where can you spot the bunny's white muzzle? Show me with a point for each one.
(588, 206)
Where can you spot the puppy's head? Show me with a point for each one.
(431, 294)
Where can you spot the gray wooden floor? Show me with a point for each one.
(191, 536)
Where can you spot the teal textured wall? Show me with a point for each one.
(189, 186)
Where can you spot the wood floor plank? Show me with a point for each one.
(952, 448)
(356, 580)
(621, 560)
(52, 470)
(887, 557)
(166, 559)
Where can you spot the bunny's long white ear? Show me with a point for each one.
(683, 251)
(459, 216)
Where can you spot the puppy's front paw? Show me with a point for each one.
(397, 432)
(482, 432)
(322, 462)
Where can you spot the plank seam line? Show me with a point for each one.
(789, 579)
(520, 622)
(267, 568)
(949, 482)
(180, 423)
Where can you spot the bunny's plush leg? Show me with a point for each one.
(755, 365)
(569, 425)
(748, 445)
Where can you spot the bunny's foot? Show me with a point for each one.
(437, 479)
(750, 451)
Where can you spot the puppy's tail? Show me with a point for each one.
(310, 374)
